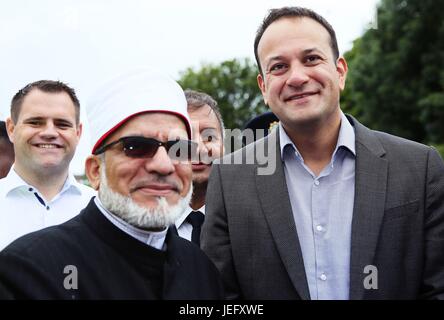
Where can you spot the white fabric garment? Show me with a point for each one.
(24, 210)
(131, 94)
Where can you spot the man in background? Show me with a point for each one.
(6, 151)
(120, 246)
(208, 132)
(39, 191)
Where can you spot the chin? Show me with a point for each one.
(201, 176)
(153, 214)
(147, 203)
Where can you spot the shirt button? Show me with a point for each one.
(319, 228)
(323, 277)
(316, 182)
(47, 207)
(30, 189)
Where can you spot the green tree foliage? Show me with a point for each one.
(233, 85)
(396, 71)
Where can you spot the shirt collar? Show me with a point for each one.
(185, 214)
(71, 183)
(346, 138)
(11, 182)
(153, 239)
(14, 182)
(346, 135)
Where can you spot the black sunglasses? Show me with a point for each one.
(141, 147)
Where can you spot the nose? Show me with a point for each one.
(201, 150)
(160, 163)
(49, 130)
(298, 76)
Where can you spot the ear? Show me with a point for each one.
(342, 69)
(79, 130)
(93, 166)
(10, 126)
(261, 84)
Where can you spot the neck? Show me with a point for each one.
(316, 143)
(198, 198)
(47, 183)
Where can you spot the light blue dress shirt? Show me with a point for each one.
(323, 209)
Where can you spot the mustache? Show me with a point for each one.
(157, 180)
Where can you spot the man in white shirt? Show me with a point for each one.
(120, 246)
(39, 191)
(208, 132)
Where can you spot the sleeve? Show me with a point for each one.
(215, 239)
(21, 278)
(433, 279)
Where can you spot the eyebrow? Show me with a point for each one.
(60, 120)
(44, 119)
(270, 61)
(34, 118)
(210, 127)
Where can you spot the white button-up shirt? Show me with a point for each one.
(323, 210)
(24, 210)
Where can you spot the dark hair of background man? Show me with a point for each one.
(289, 12)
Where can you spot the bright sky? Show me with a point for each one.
(85, 42)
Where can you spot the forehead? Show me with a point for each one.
(203, 114)
(292, 32)
(47, 105)
(162, 126)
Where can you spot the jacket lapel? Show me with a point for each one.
(370, 192)
(276, 206)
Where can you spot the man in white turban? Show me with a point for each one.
(119, 246)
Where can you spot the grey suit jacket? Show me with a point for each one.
(398, 223)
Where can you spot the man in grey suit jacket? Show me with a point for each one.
(337, 211)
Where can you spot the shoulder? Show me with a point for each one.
(51, 241)
(33, 266)
(85, 190)
(8, 183)
(389, 144)
(391, 140)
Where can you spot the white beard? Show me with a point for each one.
(160, 217)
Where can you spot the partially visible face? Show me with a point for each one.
(208, 134)
(46, 134)
(302, 81)
(146, 180)
(6, 157)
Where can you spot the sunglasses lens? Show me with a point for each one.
(181, 150)
(139, 147)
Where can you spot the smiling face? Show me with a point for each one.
(207, 133)
(46, 133)
(145, 180)
(301, 81)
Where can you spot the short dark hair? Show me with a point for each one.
(48, 86)
(196, 100)
(3, 133)
(285, 12)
